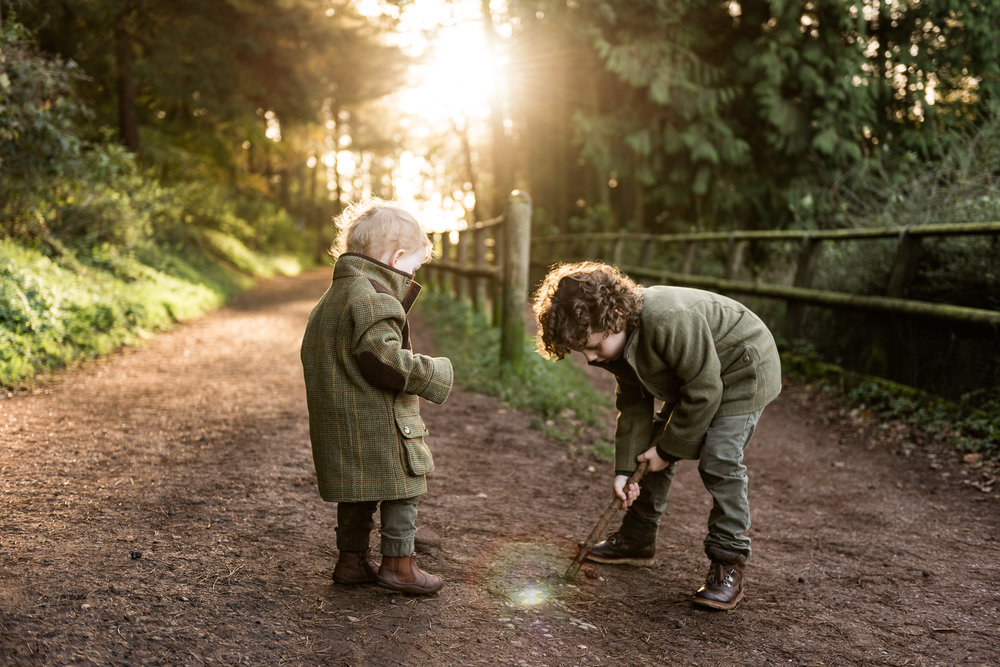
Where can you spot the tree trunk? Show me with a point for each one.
(128, 116)
(338, 204)
(470, 170)
(503, 179)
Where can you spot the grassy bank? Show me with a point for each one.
(61, 306)
(561, 400)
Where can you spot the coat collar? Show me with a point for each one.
(382, 276)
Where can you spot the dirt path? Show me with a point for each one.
(159, 507)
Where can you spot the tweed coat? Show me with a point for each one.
(363, 383)
(705, 356)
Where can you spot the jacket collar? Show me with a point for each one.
(382, 276)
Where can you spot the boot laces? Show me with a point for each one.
(721, 574)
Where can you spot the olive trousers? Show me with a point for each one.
(724, 476)
(399, 526)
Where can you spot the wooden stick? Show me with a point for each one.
(602, 523)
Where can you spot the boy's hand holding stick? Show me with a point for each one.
(602, 523)
(612, 508)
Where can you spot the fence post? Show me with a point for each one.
(616, 251)
(429, 273)
(689, 250)
(734, 261)
(905, 264)
(479, 295)
(517, 248)
(462, 259)
(805, 269)
(499, 261)
(445, 278)
(904, 267)
(647, 252)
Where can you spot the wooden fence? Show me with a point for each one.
(612, 248)
(487, 264)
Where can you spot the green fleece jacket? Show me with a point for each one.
(705, 356)
(363, 383)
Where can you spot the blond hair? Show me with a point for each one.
(374, 227)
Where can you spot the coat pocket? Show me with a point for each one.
(418, 457)
(739, 379)
(412, 430)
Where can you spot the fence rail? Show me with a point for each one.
(489, 263)
(909, 239)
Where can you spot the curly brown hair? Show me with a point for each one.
(576, 300)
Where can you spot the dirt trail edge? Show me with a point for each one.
(160, 507)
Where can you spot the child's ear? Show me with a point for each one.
(395, 257)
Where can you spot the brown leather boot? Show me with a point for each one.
(354, 567)
(402, 574)
(723, 587)
(617, 549)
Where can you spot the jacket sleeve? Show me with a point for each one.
(634, 428)
(383, 360)
(689, 348)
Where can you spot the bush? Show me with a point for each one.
(963, 186)
(95, 252)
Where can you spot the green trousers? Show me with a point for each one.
(399, 526)
(724, 476)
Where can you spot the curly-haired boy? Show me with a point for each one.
(714, 365)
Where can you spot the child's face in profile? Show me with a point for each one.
(604, 346)
(407, 261)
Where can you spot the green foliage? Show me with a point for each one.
(719, 115)
(970, 424)
(97, 251)
(38, 108)
(204, 87)
(54, 311)
(557, 392)
(38, 112)
(961, 186)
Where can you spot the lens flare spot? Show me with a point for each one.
(530, 596)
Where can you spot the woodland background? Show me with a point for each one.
(156, 156)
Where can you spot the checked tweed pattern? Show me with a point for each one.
(363, 383)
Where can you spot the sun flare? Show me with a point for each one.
(460, 76)
(454, 81)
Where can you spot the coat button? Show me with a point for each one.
(406, 430)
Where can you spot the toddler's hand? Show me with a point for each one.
(627, 495)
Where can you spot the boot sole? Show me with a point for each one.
(340, 581)
(621, 561)
(413, 590)
(715, 604)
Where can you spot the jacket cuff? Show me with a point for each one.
(680, 448)
(439, 384)
(662, 453)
